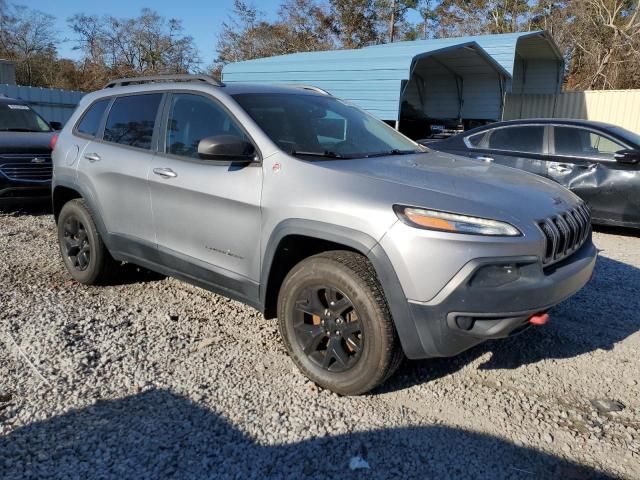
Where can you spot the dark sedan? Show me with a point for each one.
(25, 151)
(597, 161)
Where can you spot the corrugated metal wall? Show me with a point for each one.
(371, 77)
(619, 107)
(53, 104)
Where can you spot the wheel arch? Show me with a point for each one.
(63, 191)
(296, 239)
(62, 194)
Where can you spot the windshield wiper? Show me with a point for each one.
(395, 151)
(326, 154)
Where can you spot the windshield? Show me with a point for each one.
(627, 135)
(324, 126)
(15, 117)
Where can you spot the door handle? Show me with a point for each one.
(165, 172)
(484, 158)
(560, 167)
(92, 157)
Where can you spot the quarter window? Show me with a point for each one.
(91, 119)
(192, 118)
(527, 139)
(577, 142)
(475, 141)
(131, 120)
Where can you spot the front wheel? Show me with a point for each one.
(336, 324)
(83, 251)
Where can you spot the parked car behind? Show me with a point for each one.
(25, 151)
(597, 161)
(365, 245)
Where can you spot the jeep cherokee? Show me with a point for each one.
(366, 246)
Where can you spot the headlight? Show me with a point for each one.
(453, 222)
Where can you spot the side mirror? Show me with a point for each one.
(226, 148)
(55, 125)
(627, 157)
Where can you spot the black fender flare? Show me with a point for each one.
(368, 246)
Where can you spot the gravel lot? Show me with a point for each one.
(155, 378)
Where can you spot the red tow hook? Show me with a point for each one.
(539, 319)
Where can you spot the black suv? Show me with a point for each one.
(25, 151)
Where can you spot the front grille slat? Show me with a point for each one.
(27, 171)
(565, 233)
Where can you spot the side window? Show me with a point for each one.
(577, 142)
(90, 122)
(527, 139)
(192, 118)
(131, 120)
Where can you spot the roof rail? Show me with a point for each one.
(310, 87)
(179, 77)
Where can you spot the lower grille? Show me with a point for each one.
(565, 233)
(28, 171)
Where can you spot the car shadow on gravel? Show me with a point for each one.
(28, 206)
(158, 434)
(603, 313)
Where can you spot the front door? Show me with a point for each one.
(583, 161)
(116, 166)
(206, 213)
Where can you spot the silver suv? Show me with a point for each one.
(366, 246)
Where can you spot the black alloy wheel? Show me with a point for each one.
(76, 243)
(328, 328)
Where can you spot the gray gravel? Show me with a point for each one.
(154, 378)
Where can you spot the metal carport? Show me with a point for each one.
(453, 78)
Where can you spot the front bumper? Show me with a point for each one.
(31, 191)
(465, 314)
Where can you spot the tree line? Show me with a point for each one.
(599, 39)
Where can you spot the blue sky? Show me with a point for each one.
(202, 19)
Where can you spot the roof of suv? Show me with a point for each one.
(228, 88)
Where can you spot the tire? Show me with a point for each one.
(77, 234)
(349, 346)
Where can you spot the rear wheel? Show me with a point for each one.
(336, 324)
(83, 251)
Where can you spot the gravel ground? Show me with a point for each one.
(155, 378)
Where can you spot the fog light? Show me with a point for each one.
(464, 323)
(495, 275)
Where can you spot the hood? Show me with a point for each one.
(25, 142)
(465, 185)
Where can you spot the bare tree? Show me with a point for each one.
(28, 38)
(605, 44)
(145, 44)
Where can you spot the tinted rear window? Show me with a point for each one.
(92, 117)
(518, 139)
(131, 120)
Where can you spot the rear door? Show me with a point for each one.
(206, 213)
(115, 166)
(518, 146)
(583, 161)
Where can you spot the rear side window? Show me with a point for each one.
(131, 120)
(91, 119)
(526, 139)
